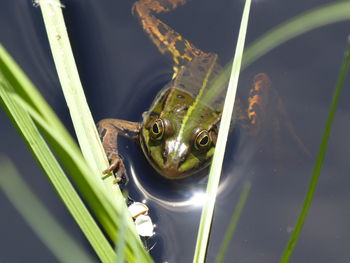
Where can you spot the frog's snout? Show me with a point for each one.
(173, 157)
(171, 170)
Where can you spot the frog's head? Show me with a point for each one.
(176, 150)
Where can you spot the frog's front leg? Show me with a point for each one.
(109, 129)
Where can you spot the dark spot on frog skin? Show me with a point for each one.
(205, 61)
(179, 96)
(201, 69)
(162, 29)
(183, 61)
(180, 46)
(162, 45)
(102, 134)
(165, 4)
(186, 73)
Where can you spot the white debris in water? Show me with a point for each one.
(137, 209)
(143, 222)
(144, 226)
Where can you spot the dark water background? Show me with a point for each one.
(121, 71)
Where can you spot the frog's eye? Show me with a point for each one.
(156, 130)
(202, 141)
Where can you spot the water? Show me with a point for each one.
(121, 72)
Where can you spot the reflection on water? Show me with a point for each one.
(175, 205)
(185, 196)
(119, 68)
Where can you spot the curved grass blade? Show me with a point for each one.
(68, 153)
(320, 158)
(24, 124)
(233, 222)
(318, 17)
(215, 169)
(67, 71)
(44, 225)
(84, 125)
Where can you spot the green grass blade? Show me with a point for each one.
(69, 154)
(53, 170)
(84, 125)
(233, 222)
(320, 158)
(318, 17)
(215, 169)
(120, 248)
(47, 228)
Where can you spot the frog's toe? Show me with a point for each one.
(120, 174)
(122, 179)
(117, 167)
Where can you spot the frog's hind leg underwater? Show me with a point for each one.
(193, 71)
(167, 40)
(262, 97)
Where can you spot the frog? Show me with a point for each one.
(178, 133)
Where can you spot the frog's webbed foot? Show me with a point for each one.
(109, 129)
(117, 168)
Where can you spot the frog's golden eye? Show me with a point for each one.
(156, 130)
(202, 141)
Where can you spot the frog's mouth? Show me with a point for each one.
(173, 172)
(169, 170)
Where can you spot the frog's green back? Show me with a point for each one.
(197, 77)
(184, 116)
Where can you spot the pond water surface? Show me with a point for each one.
(121, 72)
